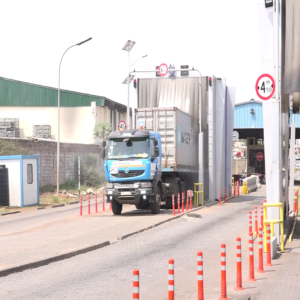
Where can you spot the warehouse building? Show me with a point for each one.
(29, 110)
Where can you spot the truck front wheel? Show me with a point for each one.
(116, 207)
(155, 206)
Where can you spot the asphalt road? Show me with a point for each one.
(107, 273)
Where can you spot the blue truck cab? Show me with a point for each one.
(133, 170)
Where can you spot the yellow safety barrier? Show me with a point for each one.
(272, 222)
(197, 192)
(296, 197)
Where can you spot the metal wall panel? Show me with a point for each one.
(17, 93)
(243, 118)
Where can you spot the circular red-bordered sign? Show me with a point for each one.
(122, 125)
(265, 87)
(259, 156)
(163, 70)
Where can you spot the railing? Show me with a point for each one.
(272, 222)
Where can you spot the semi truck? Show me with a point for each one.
(181, 135)
(147, 165)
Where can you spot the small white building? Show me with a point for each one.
(23, 179)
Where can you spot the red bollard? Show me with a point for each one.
(178, 203)
(262, 215)
(295, 202)
(171, 285)
(200, 275)
(103, 202)
(223, 273)
(89, 205)
(229, 189)
(265, 200)
(191, 201)
(238, 188)
(269, 263)
(225, 196)
(182, 202)
(80, 206)
(238, 265)
(220, 197)
(251, 258)
(187, 201)
(260, 252)
(96, 203)
(136, 284)
(250, 221)
(256, 222)
(173, 205)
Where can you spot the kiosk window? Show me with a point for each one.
(29, 174)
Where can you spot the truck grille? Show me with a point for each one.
(131, 173)
(130, 190)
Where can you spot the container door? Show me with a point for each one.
(166, 127)
(30, 182)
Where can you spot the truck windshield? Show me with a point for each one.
(136, 148)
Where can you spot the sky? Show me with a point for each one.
(216, 37)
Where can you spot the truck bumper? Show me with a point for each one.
(130, 196)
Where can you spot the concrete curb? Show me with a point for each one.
(11, 213)
(73, 202)
(57, 205)
(52, 259)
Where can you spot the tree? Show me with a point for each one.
(12, 148)
(102, 130)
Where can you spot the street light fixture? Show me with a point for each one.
(58, 110)
(127, 47)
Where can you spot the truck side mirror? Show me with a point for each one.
(103, 153)
(156, 151)
(155, 142)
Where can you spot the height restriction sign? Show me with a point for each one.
(265, 87)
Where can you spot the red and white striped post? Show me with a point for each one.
(238, 188)
(220, 197)
(191, 200)
(178, 203)
(262, 215)
(103, 202)
(200, 275)
(171, 281)
(260, 252)
(223, 273)
(251, 258)
(269, 263)
(229, 189)
(187, 200)
(136, 284)
(250, 221)
(80, 206)
(173, 204)
(256, 222)
(96, 203)
(89, 205)
(238, 265)
(182, 202)
(225, 196)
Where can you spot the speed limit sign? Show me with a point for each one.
(163, 70)
(122, 125)
(265, 87)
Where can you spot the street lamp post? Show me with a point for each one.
(127, 47)
(58, 110)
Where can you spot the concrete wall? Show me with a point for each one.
(46, 150)
(238, 165)
(76, 123)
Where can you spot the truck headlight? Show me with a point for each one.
(109, 185)
(146, 184)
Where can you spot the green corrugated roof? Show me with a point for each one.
(18, 93)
